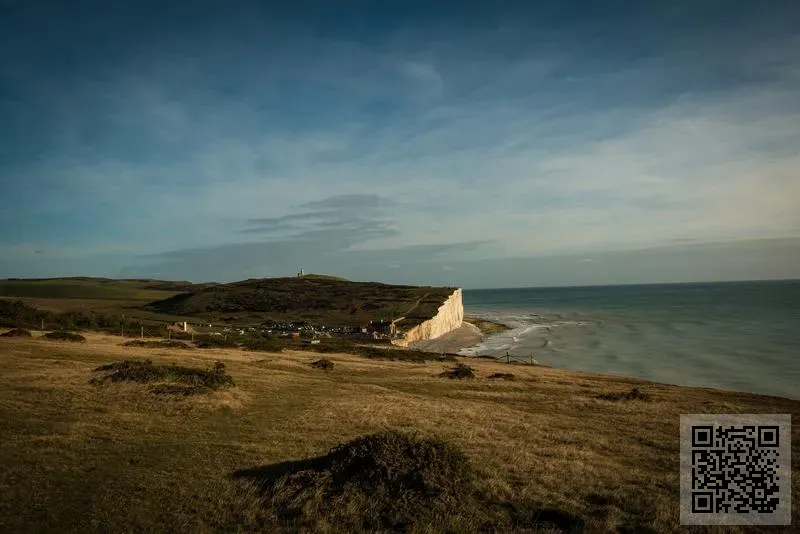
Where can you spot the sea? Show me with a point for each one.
(742, 336)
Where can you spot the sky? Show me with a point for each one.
(472, 144)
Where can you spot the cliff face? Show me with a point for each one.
(449, 317)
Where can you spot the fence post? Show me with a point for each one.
(169, 333)
(508, 358)
(142, 332)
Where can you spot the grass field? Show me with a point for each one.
(78, 457)
(83, 289)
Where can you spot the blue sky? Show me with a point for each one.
(488, 144)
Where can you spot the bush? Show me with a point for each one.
(175, 378)
(393, 482)
(322, 364)
(459, 371)
(502, 376)
(633, 394)
(387, 481)
(167, 344)
(64, 336)
(17, 332)
(215, 342)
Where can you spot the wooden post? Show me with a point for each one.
(142, 332)
(508, 358)
(169, 333)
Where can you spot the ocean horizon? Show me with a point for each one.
(740, 335)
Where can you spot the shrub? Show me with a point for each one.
(17, 332)
(156, 344)
(64, 336)
(460, 370)
(387, 481)
(175, 378)
(633, 394)
(215, 342)
(322, 364)
(502, 376)
(393, 482)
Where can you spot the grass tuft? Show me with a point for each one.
(170, 379)
(460, 370)
(502, 376)
(17, 332)
(323, 363)
(167, 344)
(390, 481)
(64, 336)
(633, 394)
(212, 342)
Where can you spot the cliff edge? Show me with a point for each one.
(449, 317)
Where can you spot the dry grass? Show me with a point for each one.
(116, 458)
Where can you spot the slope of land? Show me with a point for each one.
(316, 299)
(92, 289)
(79, 457)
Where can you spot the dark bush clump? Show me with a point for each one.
(387, 481)
(17, 332)
(502, 376)
(633, 394)
(459, 371)
(156, 344)
(215, 342)
(171, 378)
(64, 336)
(322, 364)
(393, 482)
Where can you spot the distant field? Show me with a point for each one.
(60, 305)
(87, 290)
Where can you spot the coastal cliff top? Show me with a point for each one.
(311, 298)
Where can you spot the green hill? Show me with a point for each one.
(312, 298)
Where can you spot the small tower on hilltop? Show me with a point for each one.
(300, 274)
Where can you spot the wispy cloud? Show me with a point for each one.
(482, 143)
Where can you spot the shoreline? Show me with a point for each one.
(473, 331)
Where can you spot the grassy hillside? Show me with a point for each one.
(90, 289)
(310, 298)
(128, 457)
(95, 295)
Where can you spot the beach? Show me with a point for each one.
(467, 335)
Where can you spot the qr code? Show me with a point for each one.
(735, 469)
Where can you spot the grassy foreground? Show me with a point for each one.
(114, 457)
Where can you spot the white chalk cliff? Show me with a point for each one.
(449, 317)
